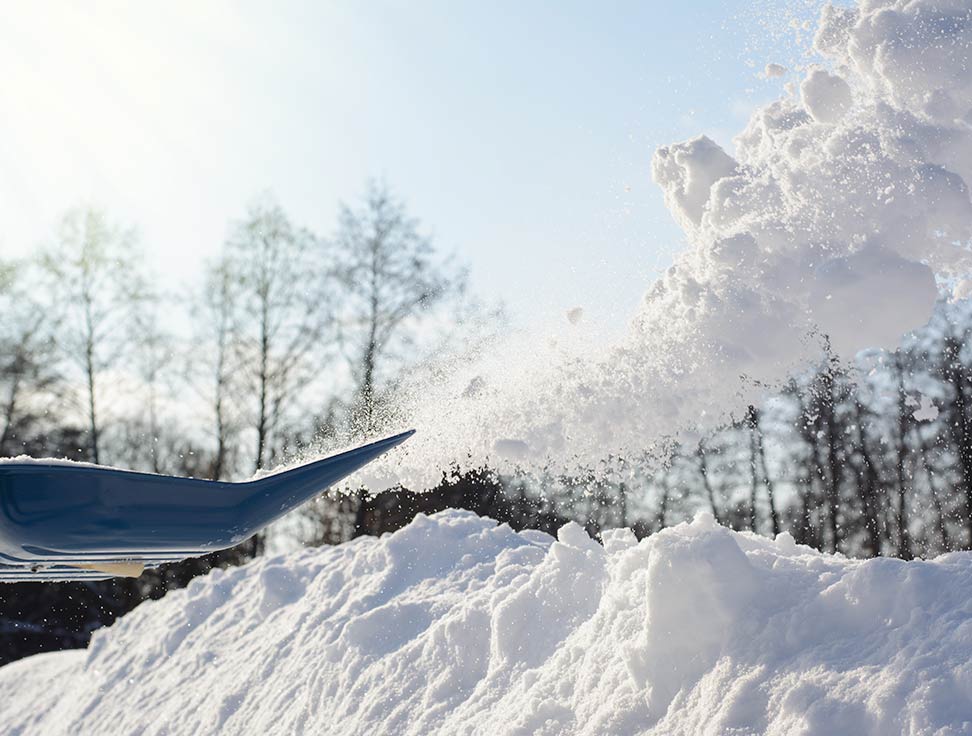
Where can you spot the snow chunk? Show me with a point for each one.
(686, 173)
(927, 412)
(826, 96)
(575, 315)
(873, 292)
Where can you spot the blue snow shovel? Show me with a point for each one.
(82, 522)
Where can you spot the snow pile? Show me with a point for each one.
(456, 625)
(843, 211)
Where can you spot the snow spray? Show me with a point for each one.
(840, 218)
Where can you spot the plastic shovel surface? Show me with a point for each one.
(60, 521)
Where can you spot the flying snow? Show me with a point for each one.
(839, 219)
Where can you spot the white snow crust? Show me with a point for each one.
(456, 625)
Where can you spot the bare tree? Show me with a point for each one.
(152, 360)
(216, 312)
(753, 458)
(210, 367)
(391, 279)
(757, 466)
(665, 457)
(95, 280)
(868, 484)
(705, 473)
(955, 374)
(280, 313)
(27, 374)
(826, 394)
(905, 550)
(808, 465)
(936, 494)
(764, 467)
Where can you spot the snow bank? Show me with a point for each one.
(456, 625)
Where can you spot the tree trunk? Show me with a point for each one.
(905, 550)
(868, 489)
(827, 403)
(92, 405)
(623, 505)
(10, 409)
(90, 368)
(767, 480)
(264, 384)
(753, 482)
(810, 532)
(663, 503)
(936, 498)
(706, 483)
(219, 461)
(954, 373)
(371, 347)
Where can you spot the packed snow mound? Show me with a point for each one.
(457, 625)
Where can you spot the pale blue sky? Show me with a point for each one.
(519, 132)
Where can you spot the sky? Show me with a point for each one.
(520, 133)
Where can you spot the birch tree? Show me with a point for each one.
(28, 378)
(95, 280)
(277, 274)
(392, 283)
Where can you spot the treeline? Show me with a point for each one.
(290, 337)
(870, 459)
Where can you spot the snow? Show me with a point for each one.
(28, 460)
(827, 97)
(927, 411)
(457, 625)
(842, 209)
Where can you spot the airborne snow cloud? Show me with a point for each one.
(844, 200)
(843, 213)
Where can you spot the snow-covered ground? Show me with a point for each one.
(457, 625)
